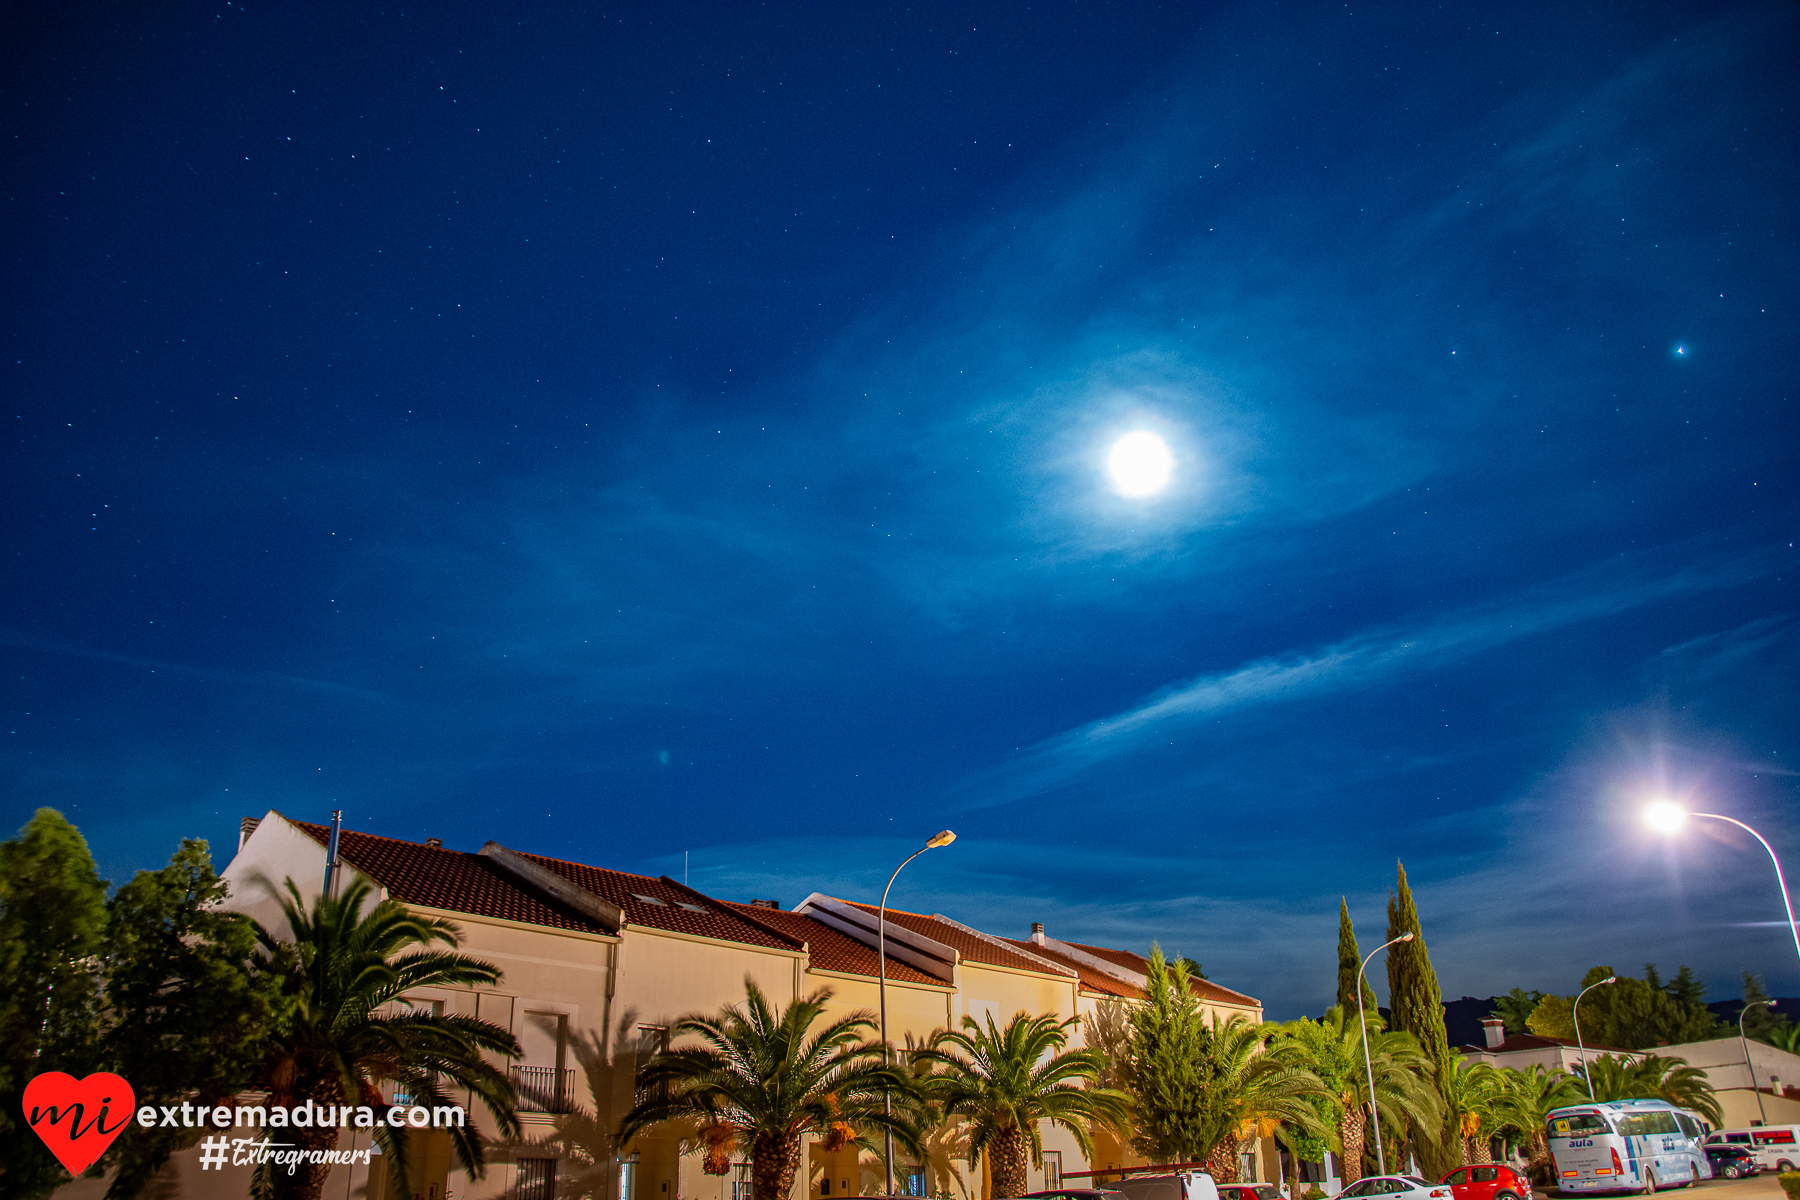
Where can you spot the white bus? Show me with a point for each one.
(1626, 1145)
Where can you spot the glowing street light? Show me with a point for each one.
(1668, 817)
(1575, 1011)
(1368, 1063)
(942, 838)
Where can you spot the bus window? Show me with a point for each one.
(1578, 1125)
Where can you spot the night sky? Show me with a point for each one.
(642, 431)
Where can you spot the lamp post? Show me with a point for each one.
(1369, 1063)
(942, 838)
(1748, 1065)
(1575, 1012)
(1666, 816)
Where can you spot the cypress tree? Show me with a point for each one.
(1417, 1006)
(1349, 962)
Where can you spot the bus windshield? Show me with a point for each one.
(1585, 1124)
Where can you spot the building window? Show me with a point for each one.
(1052, 1170)
(628, 1178)
(537, 1179)
(913, 1183)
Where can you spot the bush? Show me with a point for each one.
(1790, 1183)
(1314, 1193)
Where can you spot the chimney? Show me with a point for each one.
(1037, 932)
(246, 827)
(1495, 1029)
(434, 843)
(774, 904)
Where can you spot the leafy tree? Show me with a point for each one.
(1332, 1050)
(1167, 1046)
(1654, 1078)
(1251, 1092)
(1524, 1101)
(1632, 1014)
(1553, 1017)
(1349, 964)
(767, 1078)
(52, 927)
(1786, 1039)
(187, 1020)
(347, 972)
(1761, 1022)
(1004, 1082)
(1515, 1008)
(1686, 988)
(1417, 1004)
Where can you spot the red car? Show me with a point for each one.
(1490, 1181)
(1249, 1191)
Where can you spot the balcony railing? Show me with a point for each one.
(544, 1089)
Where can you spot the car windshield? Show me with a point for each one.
(1414, 1179)
(1583, 1124)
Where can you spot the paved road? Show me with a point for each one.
(1757, 1187)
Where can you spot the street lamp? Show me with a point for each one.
(1575, 1012)
(1748, 1065)
(1667, 817)
(1369, 1063)
(942, 838)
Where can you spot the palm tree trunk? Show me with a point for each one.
(1350, 1133)
(308, 1180)
(1008, 1154)
(1223, 1163)
(774, 1160)
(1479, 1150)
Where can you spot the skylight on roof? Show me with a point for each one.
(690, 907)
(647, 899)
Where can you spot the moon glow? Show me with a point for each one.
(1140, 464)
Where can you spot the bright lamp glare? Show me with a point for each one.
(1665, 816)
(1139, 464)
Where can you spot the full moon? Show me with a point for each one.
(1139, 464)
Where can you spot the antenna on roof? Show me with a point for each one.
(684, 860)
(331, 849)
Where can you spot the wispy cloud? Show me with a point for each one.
(1366, 659)
(270, 679)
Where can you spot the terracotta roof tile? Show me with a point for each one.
(1206, 989)
(1091, 980)
(448, 879)
(1536, 1041)
(460, 882)
(966, 944)
(662, 904)
(829, 950)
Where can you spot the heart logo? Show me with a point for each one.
(76, 1117)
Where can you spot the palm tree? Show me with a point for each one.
(1524, 1101)
(1469, 1090)
(348, 974)
(1654, 1078)
(766, 1078)
(1252, 1090)
(1332, 1049)
(1004, 1082)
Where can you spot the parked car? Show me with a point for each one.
(1187, 1185)
(1732, 1162)
(1251, 1191)
(1406, 1187)
(1488, 1181)
(1777, 1147)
